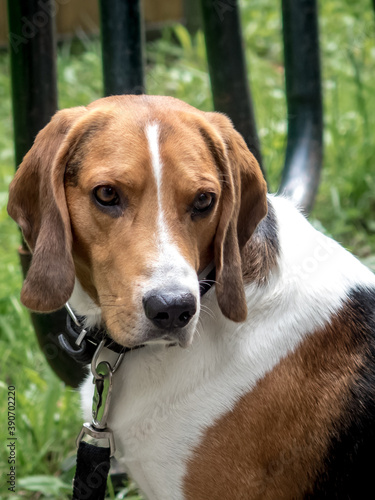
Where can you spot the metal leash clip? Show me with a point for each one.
(102, 373)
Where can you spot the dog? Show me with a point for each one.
(264, 387)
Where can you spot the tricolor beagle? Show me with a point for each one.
(262, 389)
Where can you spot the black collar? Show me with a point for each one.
(86, 342)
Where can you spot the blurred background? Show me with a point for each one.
(47, 412)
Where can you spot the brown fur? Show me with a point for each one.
(276, 437)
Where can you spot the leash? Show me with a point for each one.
(93, 462)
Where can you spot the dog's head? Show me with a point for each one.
(134, 196)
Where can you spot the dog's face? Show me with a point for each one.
(134, 196)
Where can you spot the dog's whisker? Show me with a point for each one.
(199, 326)
(207, 282)
(208, 311)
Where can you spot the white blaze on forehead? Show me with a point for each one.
(152, 134)
(171, 266)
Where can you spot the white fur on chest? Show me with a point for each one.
(165, 398)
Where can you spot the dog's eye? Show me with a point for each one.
(106, 195)
(202, 203)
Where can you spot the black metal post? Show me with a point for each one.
(122, 37)
(227, 67)
(193, 15)
(33, 68)
(34, 94)
(304, 151)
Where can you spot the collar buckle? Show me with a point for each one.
(83, 333)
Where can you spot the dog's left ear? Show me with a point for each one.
(37, 203)
(244, 204)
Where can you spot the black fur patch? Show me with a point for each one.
(349, 468)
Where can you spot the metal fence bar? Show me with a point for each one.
(122, 37)
(33, 70)
(34, 95)
(304, 152)
(227, 67)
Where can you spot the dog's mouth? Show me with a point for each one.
(149, 336)
(165, 342)
(171, 340)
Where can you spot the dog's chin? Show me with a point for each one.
(169, 338)
(181, 338)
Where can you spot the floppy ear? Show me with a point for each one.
(244, 204)
(37, 203)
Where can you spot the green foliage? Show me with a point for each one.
(346, 201)
(47, 413)
(177, 66)
(50, 485)
(10, 271)
(79, 75)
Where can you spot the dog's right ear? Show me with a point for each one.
(37, 203)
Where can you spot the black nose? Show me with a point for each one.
(169, 309)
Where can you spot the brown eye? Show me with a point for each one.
(203, 203)
(106, 196)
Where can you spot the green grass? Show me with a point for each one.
(47, 412)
